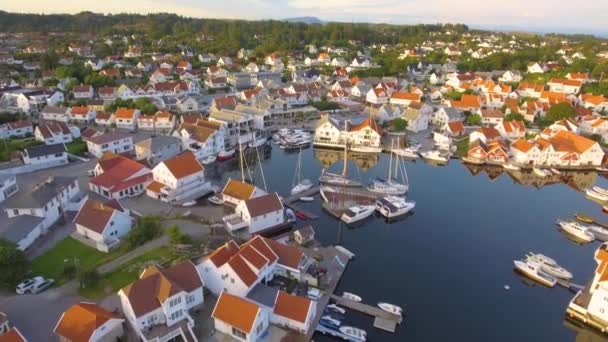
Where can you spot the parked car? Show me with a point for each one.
(27, 284)
(314, 294)
(43, 286)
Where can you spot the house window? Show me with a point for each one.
(238, 333)
(259, 329)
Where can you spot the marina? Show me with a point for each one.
(382, 319)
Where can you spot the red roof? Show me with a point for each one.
(118, 173)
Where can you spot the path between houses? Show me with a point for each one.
(123, 259)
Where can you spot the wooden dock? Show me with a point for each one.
(570, 286)
(327, 331)
(382, 319)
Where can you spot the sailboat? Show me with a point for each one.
(328, 178)
(303, 184)
(390, 185)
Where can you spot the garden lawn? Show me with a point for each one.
(77, 147)
(52, 263)
(127, 273)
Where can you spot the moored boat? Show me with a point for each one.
(436, 156)
(539, 172)
(549, 266)
(226, 154)
(335, 308)
(257, 142)
(392, 206)
(366, 149)
(290, 215)
(596, 195)
(600, 233)
(511, 167)
(307, 199)
(208, 160)
(600, 190)
(356, 333)
(392, 308)
(408, 153)
(387, 187)
(533, 270)
(584, 218)
(216, 199)
(337, 180)
(357, 213)
(577, 230)
(473, 161)
(351, 296)
(330, 322)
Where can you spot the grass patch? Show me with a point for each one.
(9, 147)
(69, 251)
(127, 273)
(462, 148)
(77, 147)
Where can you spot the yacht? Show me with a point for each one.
(329, 322)
(394, 309)
(436, 156)
(356, 333)
(393, 206)
(302, 184)
(596, 195)
(226, 154)
(391, 185)
(357, 213)
(335, 308)
(549, 266)
(409, 153)
(533, 271)
(600, 190)
(208, 160)
(329, 178)
(578, 230)
(351, 296)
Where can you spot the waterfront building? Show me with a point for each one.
(178, 178)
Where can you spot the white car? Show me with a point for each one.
(42, 286)
(27, 284)
(314, 294)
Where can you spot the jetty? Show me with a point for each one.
(382, 319)
(339, 200)
(336, 333)
(574, 288)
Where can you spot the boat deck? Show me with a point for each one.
(383, 320)
(336, 333)
(339, 201)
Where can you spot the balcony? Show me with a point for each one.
(234, 222)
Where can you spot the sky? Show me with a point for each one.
(582, 16)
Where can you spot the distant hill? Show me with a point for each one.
(305, 20)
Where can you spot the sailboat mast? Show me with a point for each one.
(390, 163)
(241, 161)
(345, 150)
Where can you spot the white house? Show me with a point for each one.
(563, 149)
(126, 117)
(117, 176)
(261, 213)
(511, 77)
(81, 114)
(445, 115)
(403, 98)
(45, 156)
(417, 115)
(158, 304)
(235, 192)
(161, 121)
(55, 113)
(8, 186)
(88, 322)
(104, 224)
(204, 138)
(293, 312)
(564, 85)
(83, 92)
(19, 128)
(115, 142)
(511, 130)
(178, 178)
(239, 318)
(55, 132)
(377, 96)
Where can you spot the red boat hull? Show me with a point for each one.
(223, 158)
(301, 216)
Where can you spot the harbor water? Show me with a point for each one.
(447, 264)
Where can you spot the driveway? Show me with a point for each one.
(36, 315)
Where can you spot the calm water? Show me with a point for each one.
(447, 264)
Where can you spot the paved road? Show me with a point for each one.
(36, 315)
(116, 263)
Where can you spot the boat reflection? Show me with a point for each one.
(364, 161)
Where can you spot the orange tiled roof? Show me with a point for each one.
(236, 311)
(125, 113)
(81, 320)
(239, 190)
(183, 165)
(293, 307)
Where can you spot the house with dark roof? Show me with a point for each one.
(158, 304)
(117, 176)
(177, 179)
(103, 224)
(158, 148)
(45, 156)
(261, 213)
(55, 132)
(115, 142)
(88, 322)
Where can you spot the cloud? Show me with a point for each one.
(589, 15)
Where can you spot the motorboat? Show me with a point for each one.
(329, 178)
(351, 296)
(257, 142)
(392, 206)
(357, 213)
(216, 199)
(307, 199)
(387, 187)
(366, 149)
(577, 230)
(584, 218)
(600, 190)
(511, 167)
(408, 153)
(533, 270)
(302, 186)
(226, 154)
(549, 266)
(600, 233)
(474, 161)
(539, 172)
(392, 308)
(596, 195)
(328, 321)
(436, 156)
(335, 308)
(208, 160)
(356, 333)
(555, 171)
(290, 215)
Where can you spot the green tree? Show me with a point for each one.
(148, 228)
(473, 120)
(145, 106)
(560, 111)
(13, 264)
(399, 124)
(514, 117)
(88, 278)
(176, 236)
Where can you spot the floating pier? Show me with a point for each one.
(291, 202)
(382, 319)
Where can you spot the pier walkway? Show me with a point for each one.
(336, 333)
(383, 320)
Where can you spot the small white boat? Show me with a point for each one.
(290, 215)
(600, 190)
(408, 153)
(357, 213)
(533, 271)
(555, 171)
(474, 161)
(307, 199)
(216, 199)
(436, 156)
(335, 308)
(301, 187)
(189, 204)
(549, 266)
(330, 322)
(356, 333)
(596, 195)
(208, 160)
(366, 149)
(226, 154)
(387, 187)
(392, 206)
(257, 142)
(511, 167)
(600, 233)
(394, 309)
(351, 296)
(578, 230)
(539, 172)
